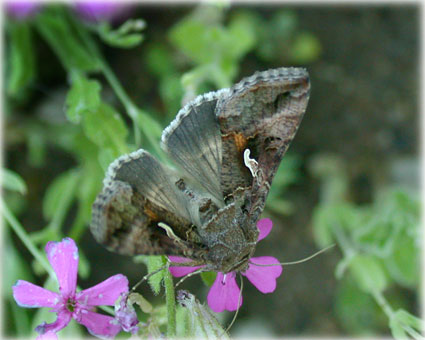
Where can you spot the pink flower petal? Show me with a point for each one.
(263, 278)
(63, 256)
(264, 226)
(224, 294)
(104, 293)
(181, 271)
(50, 335)
(98, 324)
(63, 319)
(29, 295)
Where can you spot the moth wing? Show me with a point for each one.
(124, 221)
(139, 193)
(261, 113)
(193, 140)
(151, 179)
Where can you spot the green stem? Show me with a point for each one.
(343, 242)
(23, 236)
(171, 304)
(128, 104)
(383, 303)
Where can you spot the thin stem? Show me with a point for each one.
(23, 236)
(170, 300)
(128, 104)
(383, 303)
(343, 241)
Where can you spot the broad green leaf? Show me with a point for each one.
(83, 97)
(125, 36)
(403, 263)
(57, 31)
(12, 181)
(61, 188)
(106, 128)
(368, 273)
(208, 278)
(21, 57)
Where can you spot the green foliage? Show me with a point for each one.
(125, 36)
(208, 278)
(154, 263)
(197, 320)
(83, 97)
(21, 59)
(379, 241)
(283, 42)
(56, 29)
(12, 181)
(215, 49)
(286, 174)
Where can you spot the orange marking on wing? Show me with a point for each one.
(240, 141)
(151, 214)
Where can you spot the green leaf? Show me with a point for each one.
(208, 278)
(83, 97)
(368, 273)
(65, 42)
(12, 181)
(124, 36)
(410, 320)
(403, 263)
(154, 263)
(241, 35)
(202, 324)
(21, 61)
(306, 48)
(106, 128)
(60, 189)
(194, 39)
(357, 311)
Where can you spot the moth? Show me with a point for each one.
(226, 147)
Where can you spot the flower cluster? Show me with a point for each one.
(69, 304)
(224, 294)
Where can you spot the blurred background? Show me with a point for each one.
(86, 83)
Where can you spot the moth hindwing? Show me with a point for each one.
(226, 146)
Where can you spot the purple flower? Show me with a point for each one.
(67, 304)
(126, 315)
(21, 9)
(224, 293)
(102, 10)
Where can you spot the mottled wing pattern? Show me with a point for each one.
(139, 193)
(193, 140)
(261, 113)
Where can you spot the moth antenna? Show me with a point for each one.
(237, 310)
(200, 270)
(295, 262)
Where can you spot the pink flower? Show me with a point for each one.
(22, 9)
(67, 304)
(103, 10)
(224, 293)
